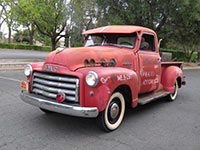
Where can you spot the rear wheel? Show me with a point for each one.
(173, 95)
(111, 118)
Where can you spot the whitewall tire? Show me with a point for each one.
(173, 95)
(111, 118)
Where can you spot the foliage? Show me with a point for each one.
(177, 55)
(78, 44)
(2, 19)
(175, 21)
(49, 16)
(21, 36)
(42, 38)
(186, 28)
(8, 14)
(1, 35)
(25, 47)
(23, 17)
(83, 16)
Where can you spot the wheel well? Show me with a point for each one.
(179, 82)
(125, 91)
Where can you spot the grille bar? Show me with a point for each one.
(55, 78)
(55, 84)
(53, 90)
(51, 95)
(49, 85)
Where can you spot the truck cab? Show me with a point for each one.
(116, 65)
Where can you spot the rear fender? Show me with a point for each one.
(169, 76)
(109, 79)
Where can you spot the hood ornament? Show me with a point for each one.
(58, 50)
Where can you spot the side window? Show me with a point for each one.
(147, 43)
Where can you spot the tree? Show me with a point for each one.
(175, 21)
(23, 17)
(154, 14)
(186, 28)
(49, 16)
(22, 36)
(1, 16)
(7, 6)
(83, 16)
(45, 40)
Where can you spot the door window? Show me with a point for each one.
(147, 43)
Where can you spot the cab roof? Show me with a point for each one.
(126, 29)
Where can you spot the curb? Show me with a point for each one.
(15, 65)
(190, 68)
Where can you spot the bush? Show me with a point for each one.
(25, 46)
(194, 57)
(78, 44)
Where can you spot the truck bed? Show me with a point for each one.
(163, 64)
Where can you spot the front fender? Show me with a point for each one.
(109, 79)
(169, 76)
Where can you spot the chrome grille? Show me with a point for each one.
(49, 85)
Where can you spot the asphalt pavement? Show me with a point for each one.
(160, 125)
(11, 59)
(6, 54)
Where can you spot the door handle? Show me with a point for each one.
(159, 59)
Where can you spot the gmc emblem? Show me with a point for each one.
(50, 68)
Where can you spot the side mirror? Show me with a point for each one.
(159, 43)
(138, 39)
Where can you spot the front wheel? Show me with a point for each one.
(173, 95)
(111, 118)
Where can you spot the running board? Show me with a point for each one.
(144, 99)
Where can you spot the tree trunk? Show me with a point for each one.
(9, 34)
(189, 55)
(53, 43)
(66, 38)
(31, 34)
(198, 58)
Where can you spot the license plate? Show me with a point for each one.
(24, 85)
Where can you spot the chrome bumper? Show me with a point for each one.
(88, 112)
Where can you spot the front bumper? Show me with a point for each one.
(88, 112)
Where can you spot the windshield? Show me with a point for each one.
(119, 40)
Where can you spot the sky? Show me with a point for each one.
(4, 29)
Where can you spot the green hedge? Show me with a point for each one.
(24, 46)
(178, 54)
(78, 44)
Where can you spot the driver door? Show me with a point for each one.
(149, 63)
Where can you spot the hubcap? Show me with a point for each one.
(114, 111)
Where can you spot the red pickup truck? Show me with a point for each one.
(117, 65)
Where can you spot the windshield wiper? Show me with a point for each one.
(96, 44)
(112, 44)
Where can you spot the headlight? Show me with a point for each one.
(28, 70)
(92, 79)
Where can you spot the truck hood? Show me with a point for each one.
(73, 58)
